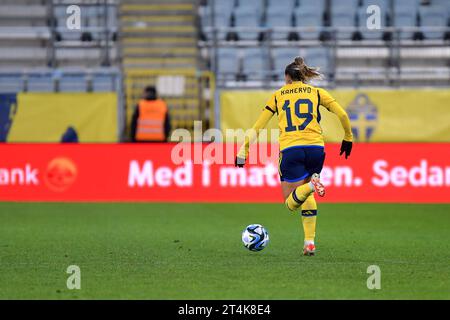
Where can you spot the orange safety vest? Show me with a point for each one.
(150, 124)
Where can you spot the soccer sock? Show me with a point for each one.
(298, 196)
(309, 215)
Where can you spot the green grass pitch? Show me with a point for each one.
(194, 251)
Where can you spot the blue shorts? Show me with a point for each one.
(298, 163)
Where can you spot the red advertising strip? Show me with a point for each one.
(409, 173)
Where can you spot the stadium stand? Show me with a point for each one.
(433, 16)
(350, 54)
(277, 20)
(405, 16)
(41, 54)
(310, 20)
(253, 64)
(228, 61)
(247, 18)
(344, 17)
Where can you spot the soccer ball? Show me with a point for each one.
(255, 237)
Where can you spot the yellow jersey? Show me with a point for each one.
(297, 108)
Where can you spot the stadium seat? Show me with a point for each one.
(224, 5)
(222, 19)
(281, 57)
(228, 62)
(309, 18)
(73, 83)
(96, 19)
(319, 5)
(252, 4)
(405, 5)
(444, 5)
(433, 17)
(287, 5)
(255, 63)
(344, 17)
(40, 83)
(366, 33)
(405, 17)
(247, 18)
(341, 5)
(318, 57)
(223, 13)
(96, 15)
(279, 17)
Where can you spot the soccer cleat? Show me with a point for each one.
(318, 186)
(309, 250)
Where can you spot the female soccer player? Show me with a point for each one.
(301, 142)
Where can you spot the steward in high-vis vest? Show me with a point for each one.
(150, 122)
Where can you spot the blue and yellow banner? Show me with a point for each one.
(53, 117)
(376, 115)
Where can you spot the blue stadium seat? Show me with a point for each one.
(369, 34)
(228, 62)
(285, 4)
(223, 8)
(93, 11)
(255, 63)
(309, 18)
(318, 57)
(433, 17)
(73, 83)
(319, 5)
(60, 12)
(252, 4)
(222, 19)
(405, 17)
(103, 83)
(222, 5)
(344, 17)
(246, 17)
(40, 83)
(279, 17)
(281, 57)
(341, 5)
(406, 5)
(443, 4)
